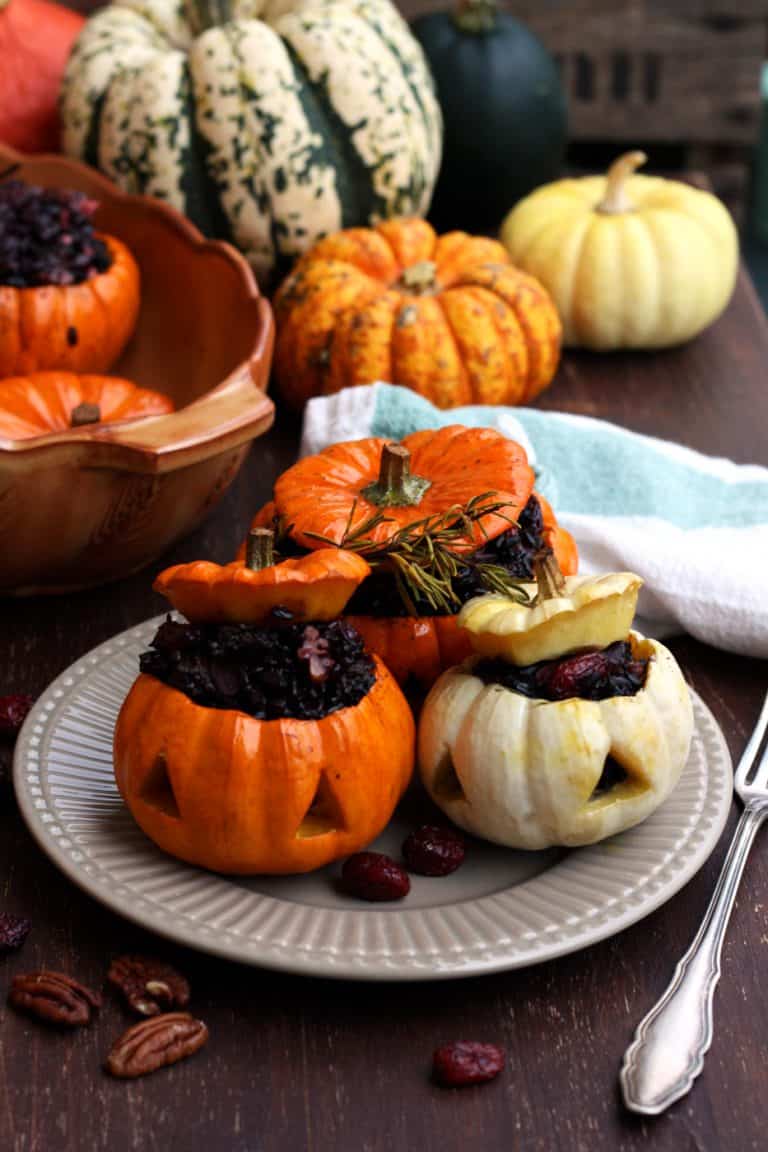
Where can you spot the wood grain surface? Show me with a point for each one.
(297, 1064)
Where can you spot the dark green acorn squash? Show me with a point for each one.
(504, 111)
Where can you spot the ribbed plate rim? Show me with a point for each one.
(466, 938)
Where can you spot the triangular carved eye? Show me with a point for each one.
(323, 815)
(619, 781)
(446, 783)
(157, 789)
(612, 775)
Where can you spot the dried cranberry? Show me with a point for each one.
(434, 851)
(13, 712)
(13, 931)
(374, 876)
(467, 1062)
(614, 671)
(576, 672)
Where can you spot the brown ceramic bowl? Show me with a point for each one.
(90, 505)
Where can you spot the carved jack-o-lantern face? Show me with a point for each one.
(227, 790)
(533, 769)
(233, 793)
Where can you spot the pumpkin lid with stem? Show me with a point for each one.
(476, 16)
(562, 615)
(372, 489)
(615, 201)
(312, 587)
(58, 401)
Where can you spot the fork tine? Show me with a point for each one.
(749, 758)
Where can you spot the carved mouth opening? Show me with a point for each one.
(617, 779)
(323, 815)
(613, 774)
(157, 790)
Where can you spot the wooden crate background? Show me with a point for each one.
(679, 77)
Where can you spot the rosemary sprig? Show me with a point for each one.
(426, 556)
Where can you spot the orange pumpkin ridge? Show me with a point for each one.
(397, 302)
(317, 494)
(74, 327)
(226, 791)
(313, 587)
(44, 402)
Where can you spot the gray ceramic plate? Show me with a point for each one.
(501, 910)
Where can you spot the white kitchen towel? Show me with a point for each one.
(694, 527)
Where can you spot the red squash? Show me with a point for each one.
(35, 41)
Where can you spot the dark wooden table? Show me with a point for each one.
(305, 1064)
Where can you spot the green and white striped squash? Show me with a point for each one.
(269, 123)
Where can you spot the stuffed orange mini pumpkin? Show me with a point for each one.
(313, 587)
(448, 316)
(269, 742)
(441, 517)
(69, 296)
(45, 402)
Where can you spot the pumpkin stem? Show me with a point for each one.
(260, 549)
(419, 277)
(549, 579)
(474, 16)
(396, 487)
(615, 201)
(203, 14)
(85, 414)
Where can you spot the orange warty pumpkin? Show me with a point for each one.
(77, 327)
(224, 790)
(449, 317)
(345, 485)
(45, 402)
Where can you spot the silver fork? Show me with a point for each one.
(667, 1053)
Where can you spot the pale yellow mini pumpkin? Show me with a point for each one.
(588, 612)
(630, 261)
(532, 773)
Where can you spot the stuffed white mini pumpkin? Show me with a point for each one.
(532, 773)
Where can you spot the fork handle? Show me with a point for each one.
(667, 1053)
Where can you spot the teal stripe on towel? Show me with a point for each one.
(592, 468)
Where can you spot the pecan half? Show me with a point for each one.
(54, 997)
(154, 1043)
(148, 985)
